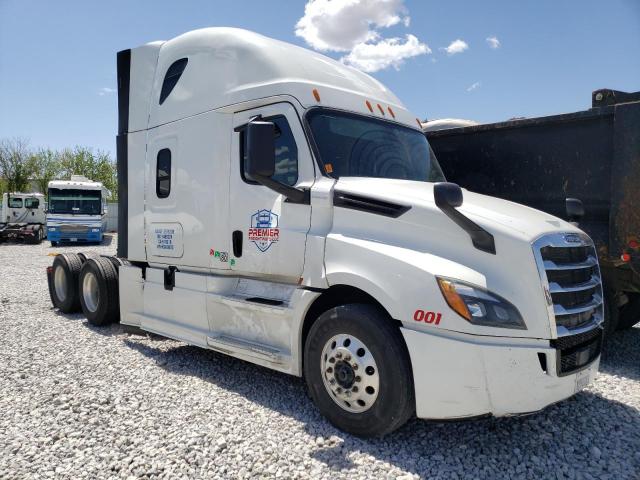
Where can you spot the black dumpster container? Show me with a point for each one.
(592, 155)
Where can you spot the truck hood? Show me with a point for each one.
(493, 214)
(423, 243)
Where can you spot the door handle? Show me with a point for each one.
(236, 238)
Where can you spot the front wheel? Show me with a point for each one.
(358, 371)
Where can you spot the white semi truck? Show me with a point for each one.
(77, 210)
(283, 208)
(23, 217)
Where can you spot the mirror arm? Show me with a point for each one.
(294, 195)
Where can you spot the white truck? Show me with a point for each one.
(283, 208)
(77, 210)
(23, 217)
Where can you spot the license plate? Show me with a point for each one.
(582, 379)
(74, 239)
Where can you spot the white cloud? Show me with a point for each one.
(341, 25)
(390, 52)
(353, 26)
(457, 46)
(106, 91)
(493, 42)
(473, 87)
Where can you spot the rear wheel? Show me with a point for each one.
(99, 295)
(630, 313)
(64, 282)
(84, 256)
(358, 371)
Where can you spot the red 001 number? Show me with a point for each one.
(427, 317)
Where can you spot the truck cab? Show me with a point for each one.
(285, 209)
(23, 217)
(77, 210)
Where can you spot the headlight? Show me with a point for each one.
(479, 306)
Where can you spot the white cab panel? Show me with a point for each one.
(198, 200)
(274, 231)
(137, 147)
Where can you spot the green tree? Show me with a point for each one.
(15, 169)
(45, 166)
(97, 166)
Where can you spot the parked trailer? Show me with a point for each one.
(23, 217)
(592, 155)
(77, 210)
(282, 208)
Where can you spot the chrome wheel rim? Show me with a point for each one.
(90, 292)
(350, 373)
(60, 283)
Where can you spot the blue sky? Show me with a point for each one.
(57, 59)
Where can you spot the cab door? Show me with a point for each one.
(268, 231)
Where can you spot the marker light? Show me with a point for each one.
(633, 244)
(369, 105)
(625, 257)
(391, 112)
(328, 168)
(454, 300)
(478, 306)
(316, 95)
(418, 122)
(381, 110)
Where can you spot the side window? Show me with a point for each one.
(31, 203)
(171, 78)
(15, 203)
(163, 173)
(286, 152)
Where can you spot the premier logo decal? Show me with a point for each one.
(264, 230)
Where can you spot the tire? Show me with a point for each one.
(99, 296)
(630, 313)
(117, 262)
(64, 282)
(84, 256)
(37, 235)
(54, 244)
(346, 331)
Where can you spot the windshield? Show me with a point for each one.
(357, 146)
(15, 202)
(87, 202)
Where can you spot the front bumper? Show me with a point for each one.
(58, 236)
(459, 375)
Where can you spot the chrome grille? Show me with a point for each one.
(77, 229)
(569, 271)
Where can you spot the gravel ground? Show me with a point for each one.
(83, 402)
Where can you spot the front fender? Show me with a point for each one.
(401, 279)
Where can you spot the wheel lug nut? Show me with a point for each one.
(332, 360)
(358, 378)
(339, 355)
(347, 393)
(354, 389)
(355, 366)
(329, 370)
(339, 390)
(347, 358)
(332, 381)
